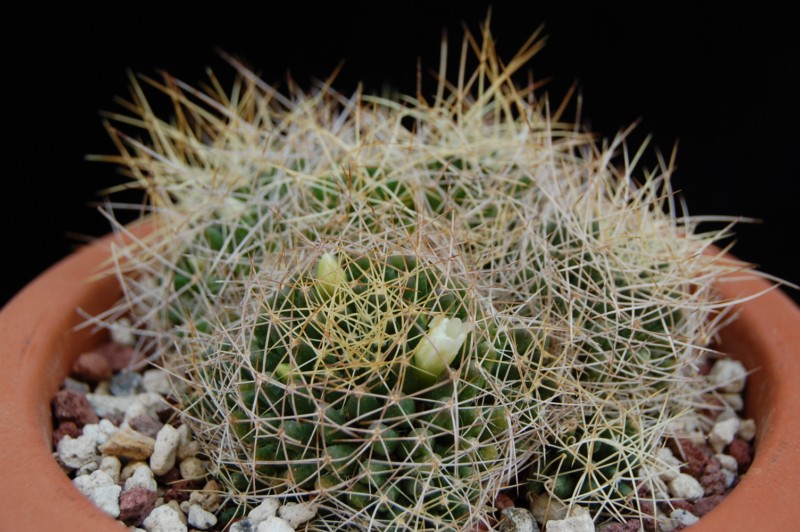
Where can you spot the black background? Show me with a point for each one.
(716, 78)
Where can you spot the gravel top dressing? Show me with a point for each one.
(119, 438)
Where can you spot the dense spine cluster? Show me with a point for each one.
(398, 307)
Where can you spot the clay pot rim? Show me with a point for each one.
(38, 348)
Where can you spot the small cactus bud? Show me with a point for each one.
(329, 275)
(439, 347)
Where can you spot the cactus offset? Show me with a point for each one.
(400, 322)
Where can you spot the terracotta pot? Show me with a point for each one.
(38, 346)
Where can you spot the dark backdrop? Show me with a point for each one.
(716, 78)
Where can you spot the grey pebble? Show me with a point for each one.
(76, 386)
(125, 383)
(243, 525)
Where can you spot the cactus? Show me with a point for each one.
(400, 322)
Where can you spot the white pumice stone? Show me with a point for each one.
(142, 477)
(156, 381)
(187, 447)
(165, 519)
(730, 477)
(130, 468)
(727, 461)
(733, 400)
(683, 517)
(87, 469)
(578, 520)
(747, 429)
(686, 487)
(102, 490)
(725, 415)
(101, 431)
(670, 466)
(722, 433)
(111, 466)
(121, 332)
(185, 434)
(192, 468)
(112, 405)
(297, 513)
(163, 457)
(199, 518)
(267, 508)
(134, 410)
(175, 505)
(728, 375)
(77, 452)
(517, 520)
(274, 524)
(688, 427)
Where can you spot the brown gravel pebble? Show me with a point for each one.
(91, 367)
(647, 508)
(702, 506)
(677, 504)
(503, 501)
(180, 490)
(713, 479)
(743, 452)
(73, 407)
(147, 425)
(170, 477)
(695, 456)
(135, 505)
(68, 428)
(118, 356)
(631, 525)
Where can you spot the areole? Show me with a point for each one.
(38, 345)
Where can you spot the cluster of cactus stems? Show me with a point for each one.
(398, 307)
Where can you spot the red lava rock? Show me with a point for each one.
(73, 406)
(743, 452)
(135, 505)
(179, 491)
(116, 419)
(170, 477)
(695, 456)
(67, 428)
(648, 509)
(631, 525)
(713, 479)
(503, 501)
(144, 424)
(679, 504)
(91, 367)
(702, 506)
(118, 356)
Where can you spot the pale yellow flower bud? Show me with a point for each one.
(329, 275)
(439, 347)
